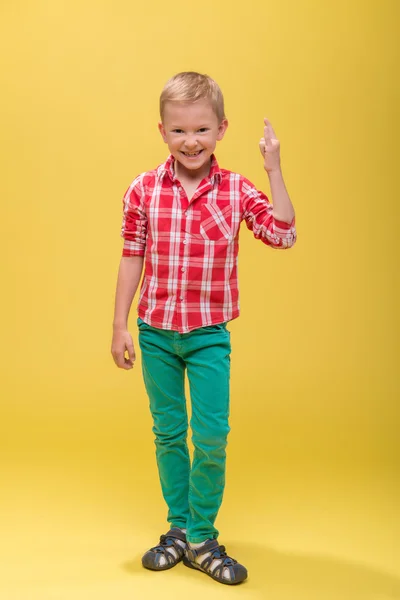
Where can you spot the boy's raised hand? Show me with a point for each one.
(270, 148)
(121, 343)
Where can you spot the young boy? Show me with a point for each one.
(182, 220)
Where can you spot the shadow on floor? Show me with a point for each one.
(288, 576)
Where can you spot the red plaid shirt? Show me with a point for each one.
(191, 248)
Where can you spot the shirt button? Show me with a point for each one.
(183, 270)
(185, 241)
(180, 297)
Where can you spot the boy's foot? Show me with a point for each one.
(168, 553)
(212, 559)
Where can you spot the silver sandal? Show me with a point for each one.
(237, 572)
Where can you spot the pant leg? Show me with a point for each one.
(163, 373)
(207, 357)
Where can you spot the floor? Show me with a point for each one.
(74, 527)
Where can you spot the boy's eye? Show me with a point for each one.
(201, 130)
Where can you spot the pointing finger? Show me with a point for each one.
(269, 132)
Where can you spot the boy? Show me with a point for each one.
(182, 219)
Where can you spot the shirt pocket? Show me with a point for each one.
(211, 222)
(216, 221)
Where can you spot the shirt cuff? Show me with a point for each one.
(132, 249)
(283, 224)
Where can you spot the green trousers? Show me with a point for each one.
(193, 492)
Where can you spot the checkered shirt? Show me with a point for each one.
(191, 247)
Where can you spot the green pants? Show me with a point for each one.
(193, 492)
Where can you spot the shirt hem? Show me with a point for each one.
(158, 325)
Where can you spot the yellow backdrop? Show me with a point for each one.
(310, 504)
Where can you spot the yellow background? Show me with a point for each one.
(311, 504)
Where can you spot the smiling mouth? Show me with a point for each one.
(192, 154)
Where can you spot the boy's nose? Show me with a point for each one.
(191, 143)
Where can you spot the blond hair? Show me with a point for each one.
(190, 86)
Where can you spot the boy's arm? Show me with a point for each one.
(129, 274)
(270, 149)
(134, 232)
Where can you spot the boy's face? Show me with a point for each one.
(191, 130)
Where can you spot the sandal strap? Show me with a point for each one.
(193, 553)
(176, 533)
(217, 552)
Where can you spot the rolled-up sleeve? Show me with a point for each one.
(134, 222)
(259, 218)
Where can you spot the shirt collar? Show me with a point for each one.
(167, 168)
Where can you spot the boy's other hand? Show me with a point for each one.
(270, 148)
(121, 343)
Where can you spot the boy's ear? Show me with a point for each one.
(162, 131)
(222, 128)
